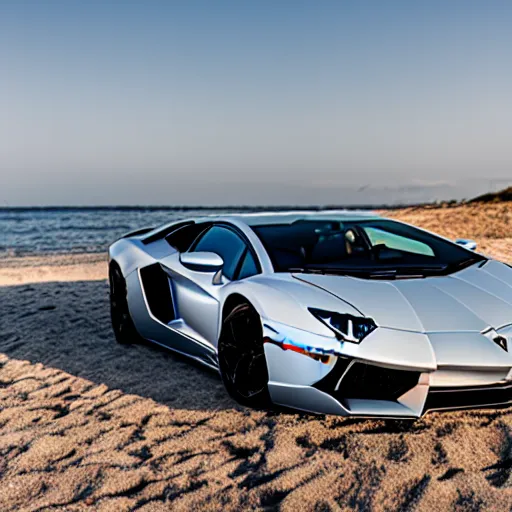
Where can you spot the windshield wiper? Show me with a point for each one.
(471, 261)
(324, 271)
(399, 274)
(375, 273)
(302, 270)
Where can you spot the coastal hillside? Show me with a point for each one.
(495, 197)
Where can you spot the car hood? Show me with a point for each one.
(472, 299)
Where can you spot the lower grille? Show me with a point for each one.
(329, 382)
(477, 397)
(367, 382)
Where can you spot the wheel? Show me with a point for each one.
(122, 323)
(242, 362)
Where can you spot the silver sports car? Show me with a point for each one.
(330, 312)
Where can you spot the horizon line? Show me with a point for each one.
(365, 206)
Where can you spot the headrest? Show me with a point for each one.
(328, 249)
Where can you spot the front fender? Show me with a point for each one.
(283, 306)
(286, 301)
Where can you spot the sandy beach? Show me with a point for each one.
(87, 424)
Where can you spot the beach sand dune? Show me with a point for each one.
(87, 424)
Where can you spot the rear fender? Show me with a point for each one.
(129, 256)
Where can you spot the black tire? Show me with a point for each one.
(122, 323)
(242, 362)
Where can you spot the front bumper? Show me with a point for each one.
(390, 374)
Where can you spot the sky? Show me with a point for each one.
(253, 102)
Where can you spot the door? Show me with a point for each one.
(196, 294)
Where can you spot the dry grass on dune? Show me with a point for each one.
(488, 224)
(86, 424)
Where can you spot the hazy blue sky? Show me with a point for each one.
(238, 102)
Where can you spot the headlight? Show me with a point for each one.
(345, 327)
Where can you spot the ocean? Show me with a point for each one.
(34, 231)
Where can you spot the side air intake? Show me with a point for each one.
(157, 290)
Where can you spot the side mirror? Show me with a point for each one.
(467, 244)
(201, 261)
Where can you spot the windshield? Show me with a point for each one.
(370, 246)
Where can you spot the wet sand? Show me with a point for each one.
(86, 424)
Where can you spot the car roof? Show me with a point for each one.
(256, 219)
(272, 218)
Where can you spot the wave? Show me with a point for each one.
(122, 227)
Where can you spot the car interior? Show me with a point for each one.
(307, 244)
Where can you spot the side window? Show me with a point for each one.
(182, 238)
(248, 267)
(227, 244)
(392, 241)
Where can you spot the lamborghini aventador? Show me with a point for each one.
(329, 312)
